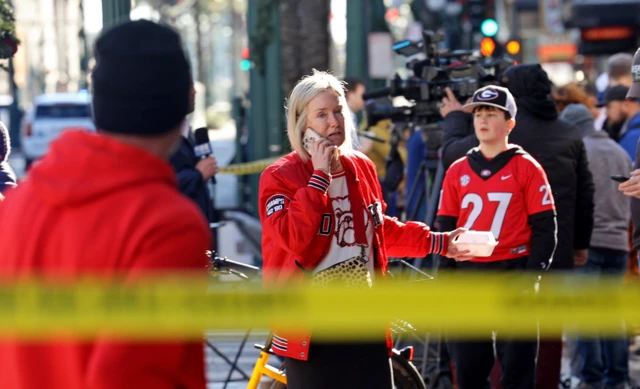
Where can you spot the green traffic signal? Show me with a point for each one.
(245, 65)
(489, 27)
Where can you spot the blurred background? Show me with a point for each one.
(228, 41)
(246, 56)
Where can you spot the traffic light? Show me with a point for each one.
(487, 46)
(245, 64)
(513, 47)
(482, 17)
(489, 27)
(477, 13)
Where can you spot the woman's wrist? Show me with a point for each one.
(320, 179)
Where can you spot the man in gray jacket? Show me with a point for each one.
(604, 361)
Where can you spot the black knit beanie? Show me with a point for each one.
(141, 81)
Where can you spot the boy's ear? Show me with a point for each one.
(511, 123)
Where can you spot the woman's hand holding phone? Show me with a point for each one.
(320, 149)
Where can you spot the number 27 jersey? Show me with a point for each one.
(497, 195)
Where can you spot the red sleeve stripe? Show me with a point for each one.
(279, 339)
(437, 242)
(279, 347)
(319, 182)
(319, 187)
(321, 179)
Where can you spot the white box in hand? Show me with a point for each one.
(479, 243)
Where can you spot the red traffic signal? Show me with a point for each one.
(487, 46)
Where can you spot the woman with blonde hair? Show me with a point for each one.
(323, 223)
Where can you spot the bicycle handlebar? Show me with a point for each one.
(226, 265)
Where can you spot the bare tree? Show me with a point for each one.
(203, 74)
(304, 36)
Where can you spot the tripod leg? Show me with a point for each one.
(416, 206)
(234, 365)
(434, 194)
(226, 359)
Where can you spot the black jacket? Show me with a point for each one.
(190, 179)
(7, 176)
(558, 147)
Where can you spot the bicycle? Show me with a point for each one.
(405, 374)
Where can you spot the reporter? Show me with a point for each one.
(191, 171)
(323, 222)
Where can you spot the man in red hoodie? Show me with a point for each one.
(107, 204)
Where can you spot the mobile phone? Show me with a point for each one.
(619, 178)
(309, 137)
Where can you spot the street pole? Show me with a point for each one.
(357, 53)
(363, 17)
(375, 23)
(115, 11)
(266, 112)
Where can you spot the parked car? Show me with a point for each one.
(50, 116)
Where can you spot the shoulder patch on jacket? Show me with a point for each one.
(276, 203)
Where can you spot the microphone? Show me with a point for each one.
(203, 146)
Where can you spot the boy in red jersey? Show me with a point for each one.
(498, 187)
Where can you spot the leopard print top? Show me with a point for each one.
(351, 273)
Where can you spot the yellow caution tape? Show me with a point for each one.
(186, 308)
(253, 167)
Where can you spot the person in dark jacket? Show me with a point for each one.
(7, 175)
(604, 360)
(632, 186)
(558, 147)
(192, 171)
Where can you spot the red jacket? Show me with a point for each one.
(294, 210)
(97, 206)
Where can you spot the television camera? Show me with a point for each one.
(460, 70)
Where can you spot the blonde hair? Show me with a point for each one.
(306, 90)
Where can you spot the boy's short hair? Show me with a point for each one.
(493, 96)
(483, 107)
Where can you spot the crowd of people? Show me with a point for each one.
(525, 160)
(557, 126)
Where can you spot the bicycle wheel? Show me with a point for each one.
(405, 374)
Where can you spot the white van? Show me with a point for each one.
(50, 116)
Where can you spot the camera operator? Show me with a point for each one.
(558, 147)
